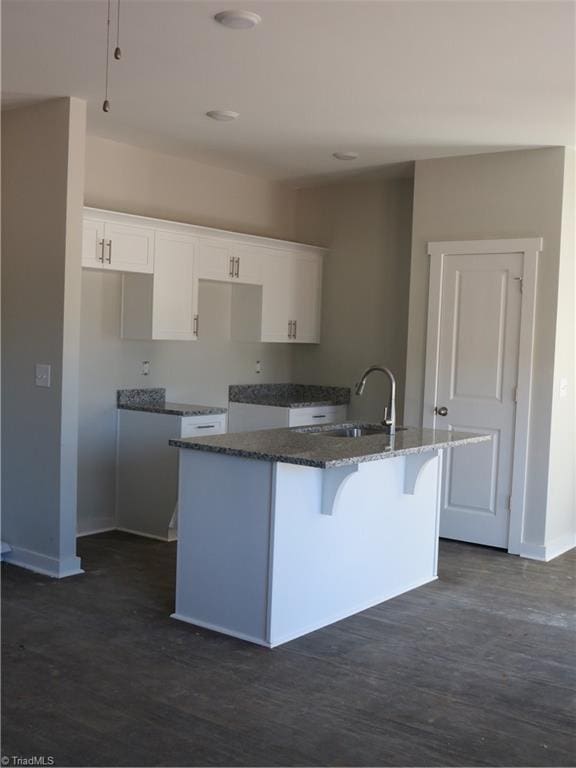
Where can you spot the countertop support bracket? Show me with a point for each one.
(333, 481)
(415, 463)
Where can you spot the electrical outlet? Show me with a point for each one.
(258, 366)
(145, 368)
(43, 375)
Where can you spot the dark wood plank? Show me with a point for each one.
(475, 669)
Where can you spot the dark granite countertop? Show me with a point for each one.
(175, 409)
(307, 447)
(153, 400)
(288, 395)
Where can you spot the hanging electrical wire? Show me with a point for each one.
(106, 102)
(118, 50)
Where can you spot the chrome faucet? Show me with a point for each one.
(389, 419)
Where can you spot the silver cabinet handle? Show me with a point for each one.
(195, 325)
(109, 251)
(206, 426)
(295, 328)
(237, 266)
(101, 243)
(231, 267)
(320, 416)
(442, 411)
(289, 329)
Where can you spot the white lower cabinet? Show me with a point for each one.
(147, 474)
(247, 417)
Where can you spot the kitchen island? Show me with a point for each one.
(285, 531)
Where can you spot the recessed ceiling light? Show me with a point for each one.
(238, 19)
(224, 115)
(345, 155)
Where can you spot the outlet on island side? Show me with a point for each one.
(258, 366)
(145, 368)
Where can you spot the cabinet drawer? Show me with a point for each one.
(203, 426)
(329, 414)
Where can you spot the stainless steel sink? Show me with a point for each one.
(361, 430)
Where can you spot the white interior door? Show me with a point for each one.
(476, 372)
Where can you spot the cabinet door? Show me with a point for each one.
(215, 260)
(307, 299)
(129, 248)
(278, 296)
(175, 288)
(93, 244)
(248, 265)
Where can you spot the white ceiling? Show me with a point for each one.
(394, 81)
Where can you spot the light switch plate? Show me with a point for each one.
(43, 375)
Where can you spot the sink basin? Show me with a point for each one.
(351, 430)
(355, 432)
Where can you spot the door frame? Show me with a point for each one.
(530, 249)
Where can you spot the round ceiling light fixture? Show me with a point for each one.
(224, 115)
(238, 19)
(346, 155)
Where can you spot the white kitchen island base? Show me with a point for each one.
(270, 551)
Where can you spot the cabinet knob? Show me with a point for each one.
(442, 411)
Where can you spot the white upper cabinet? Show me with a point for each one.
(93, 244)
(275, 285)
(117, 245)
(164, 305)
(229, 261)
(215, 260)
(291, 298)
(248, 264)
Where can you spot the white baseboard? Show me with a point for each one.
(147, 535)
(94, 525)
(221, 630)
(549, 551)
(44, 564)
(320, 624)
(92, 531)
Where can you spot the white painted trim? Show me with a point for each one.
(221, 630)
(148, 535)
(547, 552)
(94, 531)
(48, 566)
(530, 249)
(200, 231)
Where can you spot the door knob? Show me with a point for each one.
(442, 411)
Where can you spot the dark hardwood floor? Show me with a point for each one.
(474, 669)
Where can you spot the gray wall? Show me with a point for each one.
(367, 225)
(130, 179)
(42, 188)
(507, 194)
